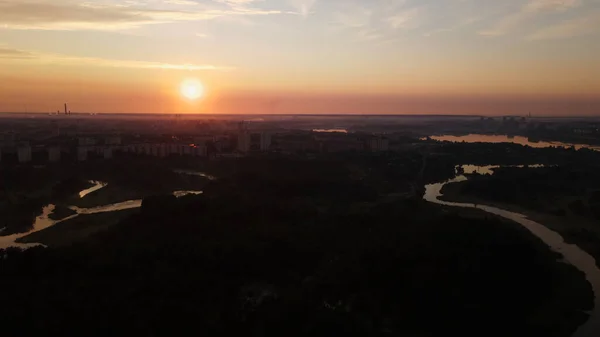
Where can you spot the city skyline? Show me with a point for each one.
(301, 56)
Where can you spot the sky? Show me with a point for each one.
(302, 56)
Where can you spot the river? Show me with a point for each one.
(477, 138)
(572, 253)
(43, 221)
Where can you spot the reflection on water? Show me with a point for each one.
(331, 130)
(109, 208)
(40, 223)
(180, 194)
(476, 138)
(571, 253)
(97, 185)
(489, 169)
(195, 173)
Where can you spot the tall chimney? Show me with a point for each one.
(65, 108)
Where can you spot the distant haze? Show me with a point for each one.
(302, 56)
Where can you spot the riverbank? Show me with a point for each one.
(76, 229)
(574, 230)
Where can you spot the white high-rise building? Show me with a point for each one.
(54, 154)
(244, 139)
(265, 141)
(24, 154)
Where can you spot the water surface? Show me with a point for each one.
(195, 173)
(330, 130)
(477, 138)
(97, 185)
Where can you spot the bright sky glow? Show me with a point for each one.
(295, 56)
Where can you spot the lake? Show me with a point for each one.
(330, 130)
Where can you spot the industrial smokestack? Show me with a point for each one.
(65, 108)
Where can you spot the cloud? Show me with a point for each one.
(550, 5)
(530, 10)
(352, 17)
(406, 19)
(181, 2)
(68, 15)
(586, 25)
(382, 20)
(7, 53)
(15, 55)
(303, 7)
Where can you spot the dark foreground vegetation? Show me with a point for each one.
(290, 247)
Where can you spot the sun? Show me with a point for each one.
(192, 89)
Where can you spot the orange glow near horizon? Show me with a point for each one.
(301, 56)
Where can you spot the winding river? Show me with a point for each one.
(572, 254)
(43, 221)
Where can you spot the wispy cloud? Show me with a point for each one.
(353, 17)
(69, 15)
(303, 7)
(585, 25)
(528, 11)
(181, 2)
(7, 53)
(406, 19)
(15, 55)
(380, 20)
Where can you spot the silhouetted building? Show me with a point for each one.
(173, 149)
(24, 153)
(54, 154)
(82, 153)
(379, 144)
(244, 140)
(200, 151)
(108, 153)
(162, 150)
(86, 141)
(265, 141)
(113, 140)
